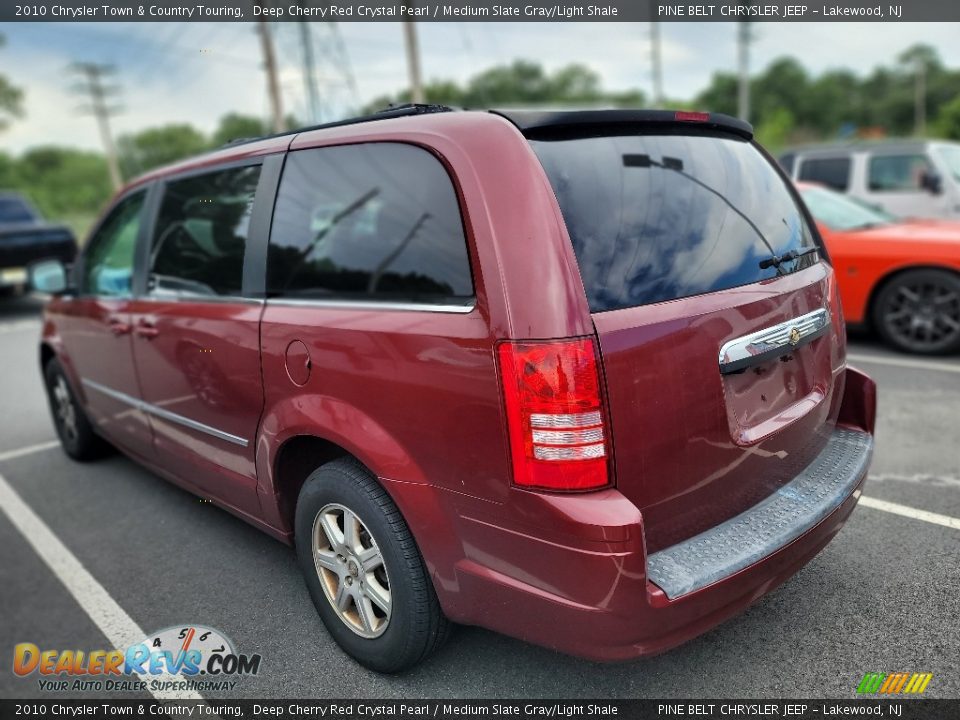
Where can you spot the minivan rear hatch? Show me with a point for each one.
(713, 305)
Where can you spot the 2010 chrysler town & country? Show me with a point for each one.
(577, 377)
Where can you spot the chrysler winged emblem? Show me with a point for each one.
(794, 335)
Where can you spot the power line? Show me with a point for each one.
(92, 84)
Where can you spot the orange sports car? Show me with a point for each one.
(899, 276)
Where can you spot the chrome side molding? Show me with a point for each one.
(772, 342)
(165, 414)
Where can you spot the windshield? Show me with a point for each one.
(14, 210)
(951, 156)
(660, 217)
(839, 212)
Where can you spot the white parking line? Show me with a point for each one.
(120, 628)
(904, 362)
(905, 511)
(29, 450)
(19, 325)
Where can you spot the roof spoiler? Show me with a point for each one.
(557, 122)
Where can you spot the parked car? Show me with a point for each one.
(576, 377)
(906, 178)
(25, 238)
(900, 277)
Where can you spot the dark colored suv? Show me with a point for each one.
(577, 377)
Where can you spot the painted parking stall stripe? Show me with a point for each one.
(909, 512)
(904, 362)
(119, 628)
(19, 326)
(29, 450)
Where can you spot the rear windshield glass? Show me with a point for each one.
(660, 217)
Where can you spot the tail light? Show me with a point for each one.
(558, 439)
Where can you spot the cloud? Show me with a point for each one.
(197, 72)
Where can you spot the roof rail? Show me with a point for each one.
(393, 111)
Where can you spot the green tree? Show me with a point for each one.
(775, 130)
(948, 120)
(11, 98)
(522, 82)
(235, 126)
(66, 185)
(721, 95)
(151, 148)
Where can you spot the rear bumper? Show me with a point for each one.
(606, 600)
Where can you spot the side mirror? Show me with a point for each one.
(48, 276)
(931, 182)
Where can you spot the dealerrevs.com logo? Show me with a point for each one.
(192, 657)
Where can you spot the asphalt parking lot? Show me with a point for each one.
(884, 596)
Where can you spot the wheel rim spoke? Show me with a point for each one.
(367, 617)
(352, 570)
(351, 531)
(370, 559)
(342, 599)
(327, 559)
(331, 532)
(924, 315)
(910, 294)
(377, 595)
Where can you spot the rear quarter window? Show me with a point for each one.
(659, 217)
(374, 221)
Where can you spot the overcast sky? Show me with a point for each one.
(196, 72)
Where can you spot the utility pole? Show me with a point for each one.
(743, 54)
(413, 59)
(920, 98)
(92, 84)
(655, 65)
(309, 71)
(273, 84)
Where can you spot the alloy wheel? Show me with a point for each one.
(65, 409)
(352, 570)
(923, 315)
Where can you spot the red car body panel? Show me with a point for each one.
(864, 259)
(416, 397)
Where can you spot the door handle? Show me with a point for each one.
(146, 329)
(117, 326)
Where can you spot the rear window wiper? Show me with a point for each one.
(778, 260)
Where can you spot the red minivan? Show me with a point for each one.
(576, 377)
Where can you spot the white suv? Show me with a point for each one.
(908, 178)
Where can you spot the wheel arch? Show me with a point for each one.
(296, 459)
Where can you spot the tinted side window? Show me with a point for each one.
(371, 221)
(108, 261)
(832, 172)
(898, 173)
(201, 233)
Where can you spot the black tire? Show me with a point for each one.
(415, 626)
(78, 438)
(918, 311)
